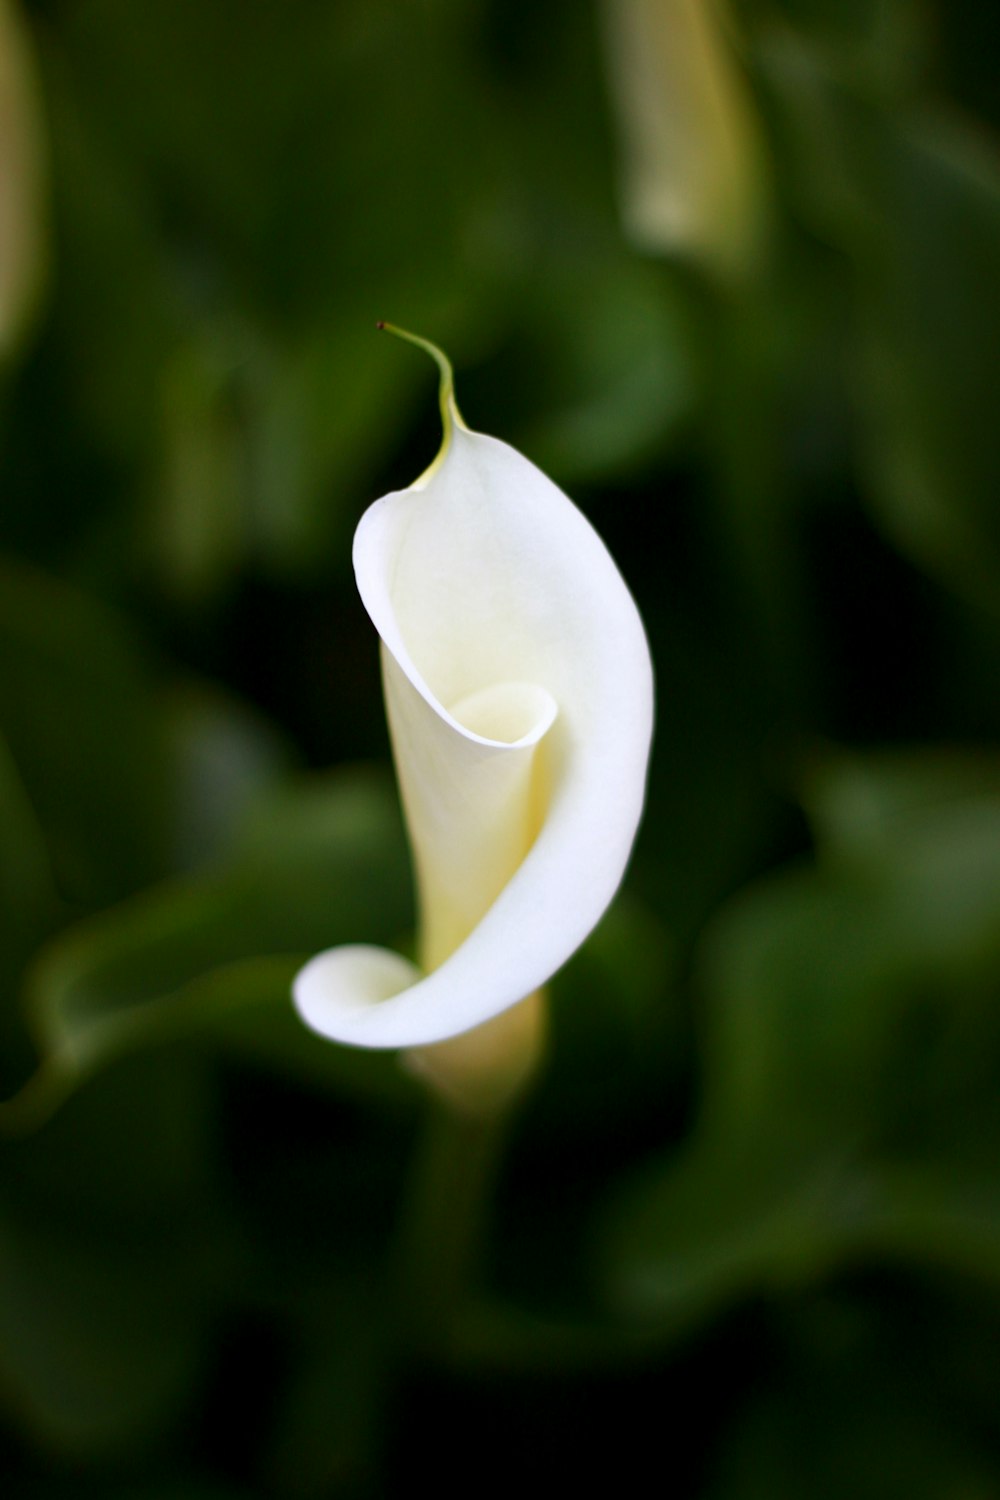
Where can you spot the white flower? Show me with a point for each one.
(693, 154)
(519, 693)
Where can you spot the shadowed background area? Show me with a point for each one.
(730, 275)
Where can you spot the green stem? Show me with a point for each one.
(444, 1223)
(446, 389)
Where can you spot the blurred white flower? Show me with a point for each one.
(693, 155)
(519, 693)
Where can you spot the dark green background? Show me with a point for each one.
(747, 1226)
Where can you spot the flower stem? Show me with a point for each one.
(446, 391)
(445, 1218)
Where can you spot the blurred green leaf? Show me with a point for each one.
(503, 1338)
(317, 865)
(856, 1407)
(881, 47)
(615, 1017)
(820, 979)
(115, 310)
(186, 1487)
(858, 804)
(28, 900)
(714, 806)
(931, 350)
(913, 198)
(726, 1223)
(609, 390)
(235, 359)
(330, 1423)
(106, 779)
(850, 1050)
(109, 1243)
(320, 401)
(30, 908)
(25, 877)
(226, 757)
(78, 711)
(94, 1347)
(200, 533)
(937, 1213)
(720, 1224)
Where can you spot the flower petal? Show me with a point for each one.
(519, 690)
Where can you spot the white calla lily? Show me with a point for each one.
(518, 687)
(694, 163)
